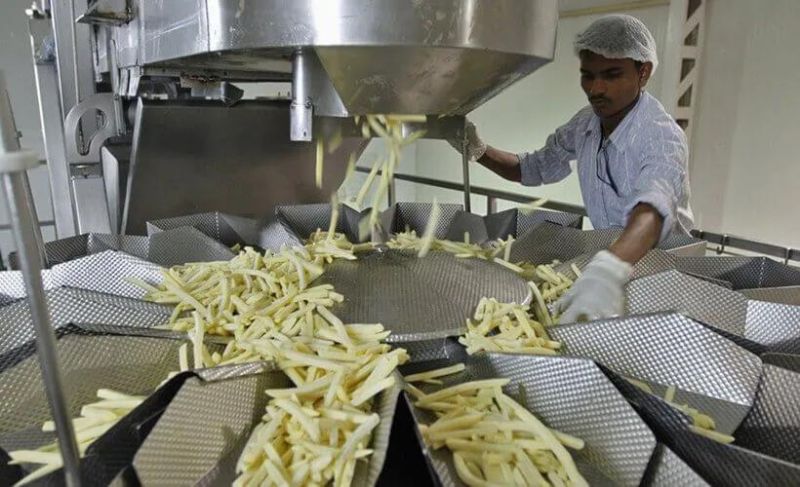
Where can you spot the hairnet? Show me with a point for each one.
(619, 37)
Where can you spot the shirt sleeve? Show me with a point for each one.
(661, 180)
(550, 164)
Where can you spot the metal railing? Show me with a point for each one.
(722, 241)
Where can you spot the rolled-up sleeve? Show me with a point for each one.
(661, 182)
(550, 164)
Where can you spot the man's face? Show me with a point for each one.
(611, 84)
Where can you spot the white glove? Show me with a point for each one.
(475, 146)
(598, 293)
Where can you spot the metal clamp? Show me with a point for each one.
(108, 106)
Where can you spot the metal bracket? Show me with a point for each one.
(107, 12)
(721, 248)
(108, 105)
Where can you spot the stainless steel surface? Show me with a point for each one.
(113, 12)
(115, 163)
(301, 111)
(63, 27)
(709, 372)
(51, 120)
(419, 298)
(501, 225)
(23, 220)
(782, 295)
(80, 150)
(36, 227)
(243, 164)
(89, 193)
(568, 395)
(465, 175)
(433, 57)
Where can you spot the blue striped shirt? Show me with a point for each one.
(643, 161)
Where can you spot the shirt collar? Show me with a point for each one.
(621, 136)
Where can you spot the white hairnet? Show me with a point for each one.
(619, 37)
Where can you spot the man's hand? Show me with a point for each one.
(476, 148)
(598, 293)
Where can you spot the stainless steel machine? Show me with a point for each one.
(143, 117)
(147, 128)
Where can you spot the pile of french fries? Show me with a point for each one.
(506, 327)
(494, 440)
(315, 432)
(95, 419)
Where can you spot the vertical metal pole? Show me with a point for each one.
(491, 205)
(465, 170)
(13, 164)
(300, 110)
(392, 191)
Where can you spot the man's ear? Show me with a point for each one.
(644, 73)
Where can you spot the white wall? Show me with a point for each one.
(17, 65)
(745, 164)
(521, 118)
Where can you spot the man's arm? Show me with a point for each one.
(547, 165)
(504, 164)
(641, 234)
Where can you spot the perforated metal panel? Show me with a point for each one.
(71, 306)
(107, 272)
(302, 220)
(670, 349)
(510, 222)
(775, 325)
(185, 244)
(773, 425)
(717, 463)
(133, 365)
(742, 272)
(550, 242)
(228, 229)
(414, 216)
(781, 295)
(418, 298)
(670, 471)
(571, 396)
(199, 437)
(700, 300)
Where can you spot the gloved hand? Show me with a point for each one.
(475, 146)
(598, 293)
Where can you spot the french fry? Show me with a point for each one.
(495, 441)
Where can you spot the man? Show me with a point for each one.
(631, 161)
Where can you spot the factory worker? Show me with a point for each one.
(631, 161)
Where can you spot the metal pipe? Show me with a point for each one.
(13, 164)
(483, 191)
(300, 110)
(74, 46)
(491, 205)
(22, 221)
(465, 171)
(780, 252)
(392, 192)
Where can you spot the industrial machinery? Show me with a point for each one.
(154, 123)
(160, 155)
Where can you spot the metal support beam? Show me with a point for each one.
(51, 119)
